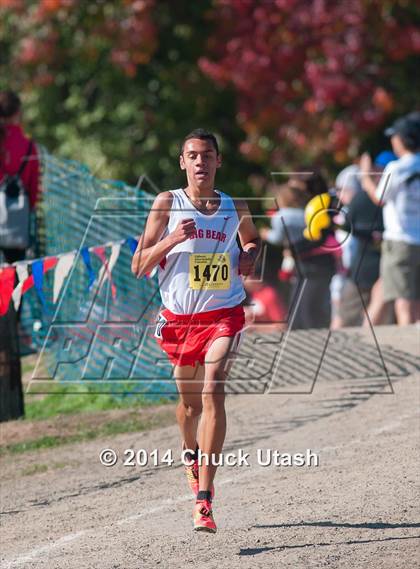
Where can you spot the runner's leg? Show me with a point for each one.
(404, 311)
(189, 381)
(213, 420)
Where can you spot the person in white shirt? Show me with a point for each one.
(398, 191)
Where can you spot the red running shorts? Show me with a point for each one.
(186, 338)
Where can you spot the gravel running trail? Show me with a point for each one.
(358, 508)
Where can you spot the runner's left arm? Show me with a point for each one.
(249, 238)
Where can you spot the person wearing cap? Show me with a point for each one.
(398, 191)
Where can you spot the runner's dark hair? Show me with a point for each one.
(201, 134)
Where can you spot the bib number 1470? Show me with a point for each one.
(210, 271)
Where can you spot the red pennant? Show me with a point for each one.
(7, 282)
(49, 263)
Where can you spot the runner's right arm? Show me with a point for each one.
(151, 248)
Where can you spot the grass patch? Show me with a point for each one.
(64, 398)
(76, 399)
(39, 468)
(35, 469)
(43, 442)
(85, 432)
(27, 366)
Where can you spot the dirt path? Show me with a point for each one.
(358, 508)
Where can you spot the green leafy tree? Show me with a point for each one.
(116, 84)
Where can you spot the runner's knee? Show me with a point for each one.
(192, 410)
(213, 395)
(215, 377)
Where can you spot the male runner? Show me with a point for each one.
(191, 235)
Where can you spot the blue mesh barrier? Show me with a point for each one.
(88, 336)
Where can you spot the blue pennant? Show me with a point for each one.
(91, 272)
(132, 243)
(38, 274)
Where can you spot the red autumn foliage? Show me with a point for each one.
(321, 66)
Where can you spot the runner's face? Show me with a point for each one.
(200, 161)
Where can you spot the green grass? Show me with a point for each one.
(84, 400)
(68, 398)
(76, 399)
(27, 366)
(34, 469)
(39, 468)
(133, 423)
(43, 442)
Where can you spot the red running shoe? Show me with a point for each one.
(192, 476)
(203, 517)
(193, 480)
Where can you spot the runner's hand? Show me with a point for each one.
(184, 230)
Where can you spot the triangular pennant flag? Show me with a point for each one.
(48, 264)
(132, 243)
(115, 253)
(151, 273)
(100, 252)
(91, 273)
(7, 282)
(38, 276)
(22, 273)
(62, 269)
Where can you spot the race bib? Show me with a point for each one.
(210, 271)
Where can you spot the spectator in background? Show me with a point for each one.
(344, 296)
(377, 310)
(398, 192)
(312, 183)
(18, 158)
(288, 221)
(361, 236)
(264, 306)
(315, 264)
